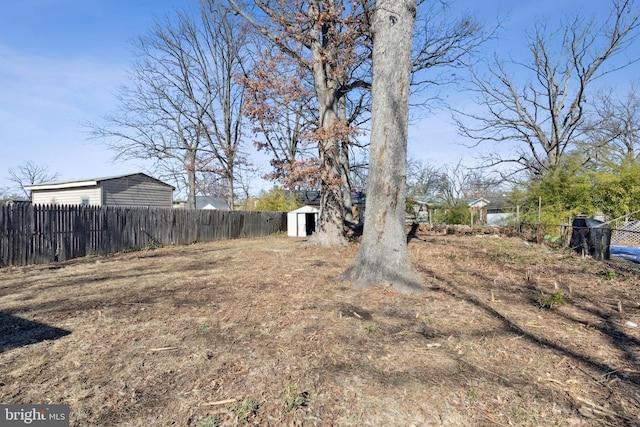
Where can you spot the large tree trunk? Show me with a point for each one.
(345, 165)
(346, 186)
(330, 230)
(383, 257)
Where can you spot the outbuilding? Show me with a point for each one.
(302, 221)
(136, 189)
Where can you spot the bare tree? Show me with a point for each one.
(383, 256)
(614, 132)
(222, 58)
(451, 182)
(458, 182)
(543, 116)
(183, 107)
(30, 173)
(155, 118)
(443, 43)
(6, 194)
(423, 179)
(329, 41)
(245, 177)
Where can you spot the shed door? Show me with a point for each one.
(310, 219)
(302, 227)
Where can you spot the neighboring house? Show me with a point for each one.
(477, 208)
(136, 189)
(204, 202)
(424, 207)
(493, 210)
(312, 198)
(500, 212)
(210, 202)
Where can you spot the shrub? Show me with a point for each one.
(551, 301)
(276, 200)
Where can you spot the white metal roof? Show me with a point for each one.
(306, 209)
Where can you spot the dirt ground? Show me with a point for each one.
(258, 332)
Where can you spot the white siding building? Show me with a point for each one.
(136, 189)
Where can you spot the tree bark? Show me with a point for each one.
(191, 179)
(345, 165)
(383, 258)
(330, 230)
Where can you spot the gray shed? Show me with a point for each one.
(136, 189)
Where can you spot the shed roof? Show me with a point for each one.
(306, 209)
(91, 182)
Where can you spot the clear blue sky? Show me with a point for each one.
(60, 63)
(62, 60)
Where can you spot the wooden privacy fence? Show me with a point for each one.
(40, 234)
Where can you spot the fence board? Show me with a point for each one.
(41, 234)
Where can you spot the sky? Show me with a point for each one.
(61, 61)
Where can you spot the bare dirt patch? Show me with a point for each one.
(257, 332)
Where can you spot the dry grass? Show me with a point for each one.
(257, 332)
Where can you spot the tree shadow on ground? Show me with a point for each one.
(618, 339)
(622, 414)
(611, 328)
(17, 332)
(607, 324)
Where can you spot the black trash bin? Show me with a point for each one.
(591, 237)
